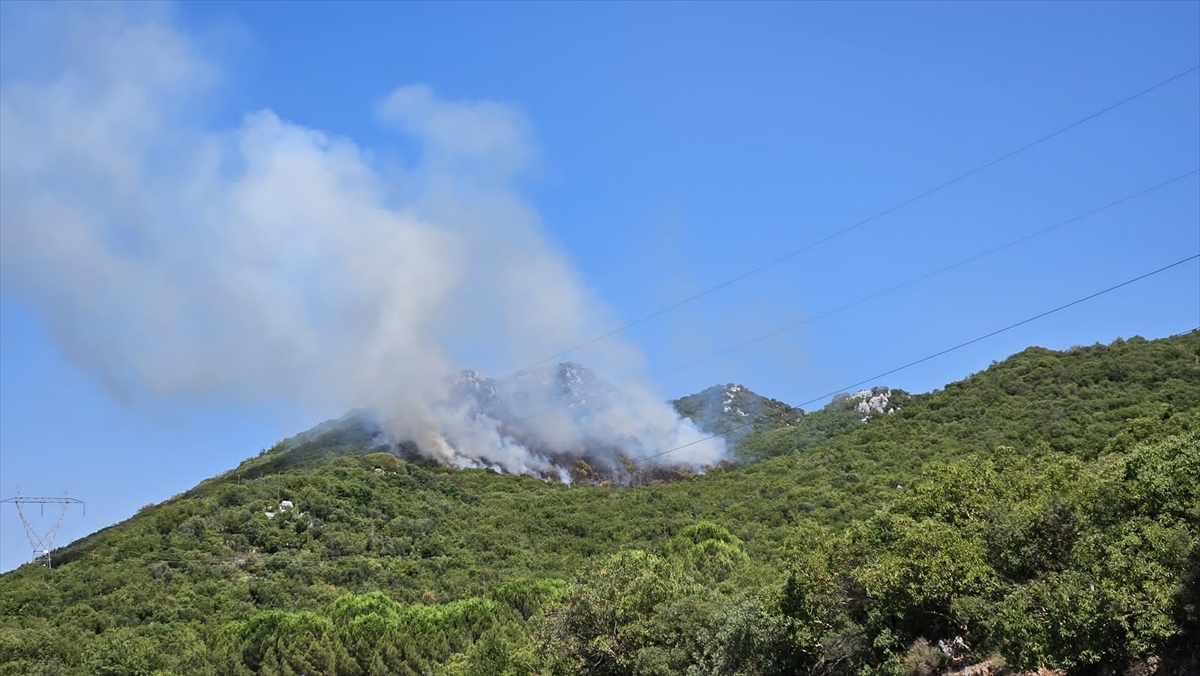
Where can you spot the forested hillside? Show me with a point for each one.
(1041, 513)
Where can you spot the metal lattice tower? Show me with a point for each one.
(44, 542)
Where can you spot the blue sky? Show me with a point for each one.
(666, 148)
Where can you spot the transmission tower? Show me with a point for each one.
(43, 542)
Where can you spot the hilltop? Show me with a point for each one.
(733, 411)
(1043, 511)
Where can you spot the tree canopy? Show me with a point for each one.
(1043, 512)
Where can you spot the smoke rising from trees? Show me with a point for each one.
(273, 262)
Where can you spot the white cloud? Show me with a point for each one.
(273, 262)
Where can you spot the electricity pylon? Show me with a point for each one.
(44, 542)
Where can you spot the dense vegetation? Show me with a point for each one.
(1044, 512)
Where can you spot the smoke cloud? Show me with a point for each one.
(273, 262)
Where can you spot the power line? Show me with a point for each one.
(896, 207)
(41, 542)
(922, 360)
(878, 294)
(865, 221)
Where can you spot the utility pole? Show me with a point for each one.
(43, 543)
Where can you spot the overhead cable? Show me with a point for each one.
(838, 233)
(960, 177)
(935, 355)
(877, 294)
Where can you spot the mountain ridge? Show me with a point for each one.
(731, 411)
(827, 492)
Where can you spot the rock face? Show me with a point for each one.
(874, 400)
(734, 410)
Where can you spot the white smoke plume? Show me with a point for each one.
(277, 263)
